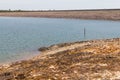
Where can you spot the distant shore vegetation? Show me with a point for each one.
(20, 10)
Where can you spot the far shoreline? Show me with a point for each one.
(104, 14)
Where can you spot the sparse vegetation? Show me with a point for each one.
(97, 59)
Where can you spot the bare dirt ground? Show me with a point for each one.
(84, 60)
(85, 14)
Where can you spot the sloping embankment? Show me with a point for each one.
(77, 14)
(86, 60)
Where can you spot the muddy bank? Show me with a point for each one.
(77, 14)
(84, 60)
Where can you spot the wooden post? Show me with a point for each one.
(84, 33)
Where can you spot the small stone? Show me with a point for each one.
(52, 67)
(75, 71)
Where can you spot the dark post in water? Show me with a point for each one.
(84, 33)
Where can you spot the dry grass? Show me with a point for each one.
(72, 64)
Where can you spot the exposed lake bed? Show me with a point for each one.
(93, 59)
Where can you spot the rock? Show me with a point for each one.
(43, 49)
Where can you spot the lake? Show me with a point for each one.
(20, 37)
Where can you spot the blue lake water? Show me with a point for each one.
(21, 37)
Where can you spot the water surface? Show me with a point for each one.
(21, 37)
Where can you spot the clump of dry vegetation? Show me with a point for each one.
(95, 60)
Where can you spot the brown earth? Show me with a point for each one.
(84, 60)
(77, 14)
